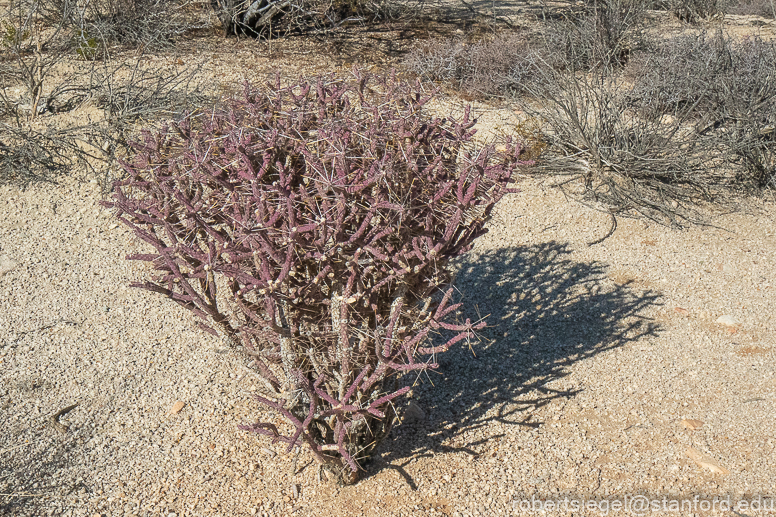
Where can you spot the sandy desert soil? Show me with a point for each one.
(594, 357)
(604, 371)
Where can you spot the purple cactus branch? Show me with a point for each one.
(312, 226)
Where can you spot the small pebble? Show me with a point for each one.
(727, 320)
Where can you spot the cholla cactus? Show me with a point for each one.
(312, 226)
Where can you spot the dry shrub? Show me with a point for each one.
(143, 24)
(30, 52)
(486, 68)
(694, 11)
(44, 71)
(689, 123)
(30, 156)
(265, 17)
(654, 127)
(727, 88)
(680, 73)
(602, 34)
(764, 8)
(622, 159)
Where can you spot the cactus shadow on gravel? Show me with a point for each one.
(546, 312)
(48, 473)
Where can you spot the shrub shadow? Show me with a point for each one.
(43, 478)
(545, 313)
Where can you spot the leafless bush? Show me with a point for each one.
(727, 88)
(686, 120)
(483, 69)
(678, 75)
(603, 33)
(688, 123)
(745, 118)
(128, 94)
(42, 77)
(136, 23)
(764, 8)
(630, 161)
(30, 51)
(145, 93)
(694, 11)
(262, 17)
(29, 156)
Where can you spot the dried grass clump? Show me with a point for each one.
(312, 226)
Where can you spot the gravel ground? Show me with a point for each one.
(594, 356)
